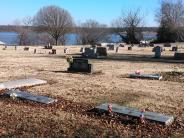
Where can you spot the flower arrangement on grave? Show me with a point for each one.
(69, 59)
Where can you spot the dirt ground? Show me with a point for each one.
(77, 93)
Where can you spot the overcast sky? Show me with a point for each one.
(103, 11)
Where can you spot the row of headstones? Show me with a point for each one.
(158, 50)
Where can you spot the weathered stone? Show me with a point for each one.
(161, 118)
(158, 50)
(26, 48)
(53, 51)
(21, 83)
(129, 48)
(110, 47)
(179, 55)
(89, 52)
(101, 51)
(146, 76)
(167, 45)
(28, 96)
(80, 65)
(65, 50)
(174, 48)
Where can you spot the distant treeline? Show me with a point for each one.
(13, 28)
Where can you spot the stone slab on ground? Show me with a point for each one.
(28, 96)
(21, 83)
(146, 76)
(153, 116)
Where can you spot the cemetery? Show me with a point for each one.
(37, 96)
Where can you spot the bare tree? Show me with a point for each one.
(55, 20)
(171, 19)
(91, 32)
(130, 23)
(23, 30)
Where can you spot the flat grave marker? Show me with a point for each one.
(28, 96)
(21, 83)
(153, 116)
(146, 76)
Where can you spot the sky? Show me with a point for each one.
(103, 11)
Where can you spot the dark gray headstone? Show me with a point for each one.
(101, 51)
(161, 118)
(146, 76)
(80, 65)
(89, 52)
(28, 96)
(158, 50)
(174, 48)
(110, 47)
(179, 55)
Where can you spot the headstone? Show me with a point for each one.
(21, 83)
(146, 76)
(101, 51)
(121, 45)
(28, 96)
(167, 45)
(158, 50)
(80, 65)
(89, 52)
(65, 50)
(117, 49)
(26, 48)
(34, 51)
(82, 49)
(179, 55)
(161, 118)
(110, 47)
(53, 51)
(130, 48)
(174, 48)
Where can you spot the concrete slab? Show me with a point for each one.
(21, 83)
(161, 118)
(146, 76)
(28, 96)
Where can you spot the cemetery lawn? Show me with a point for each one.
(77, 93)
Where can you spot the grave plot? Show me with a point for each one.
(28, 96)
(21, 83)
(146, 76)
(121, 110)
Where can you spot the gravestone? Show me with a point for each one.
(28, 96)
(161, 118)
(110, 47)
(167, 45)
(21, 83)
(179, 55)
(65, 50)
(117, 49)
(89, 52)
(158, 50)
(146, 76)
(174, 48)
(53, 51)
(101, 51)
(80, 65)
(34, 51)
(82, 49)
(130, 48)
(26, 48)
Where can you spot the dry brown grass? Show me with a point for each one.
(107, 86)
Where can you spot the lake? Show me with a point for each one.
(71, 39)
